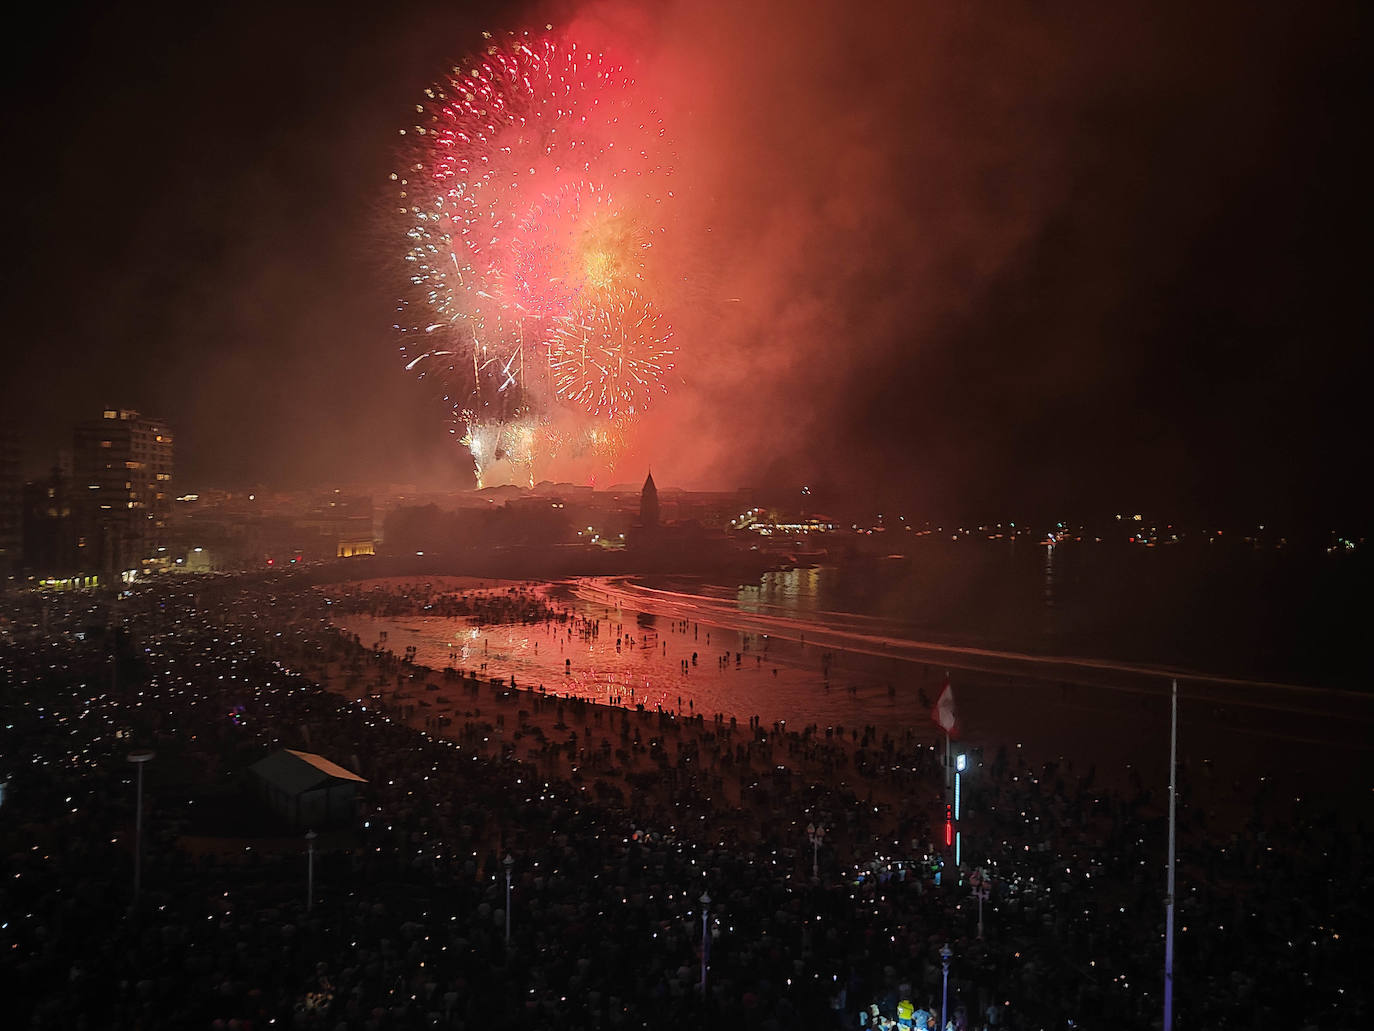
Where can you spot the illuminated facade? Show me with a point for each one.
(343, 525)
(122, 490)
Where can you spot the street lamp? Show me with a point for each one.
(945, 955)
(508, 863)
(815, 834)
(978, 881)
(138, 758)
(960, 766)
(705, 937)
(310, 837)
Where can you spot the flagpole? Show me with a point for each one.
(948, 782)
(947, 775)
(1169, 895)
(949, 800)
(943, 714)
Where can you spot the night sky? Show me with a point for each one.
(971, 259)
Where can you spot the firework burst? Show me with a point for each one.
(531, 196)
(529, 136)
(570, 247)
(610, 357)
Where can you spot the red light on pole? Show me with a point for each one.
(949, 825)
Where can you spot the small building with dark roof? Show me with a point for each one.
(306, 790)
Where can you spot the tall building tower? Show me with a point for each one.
(648, 504)
(122, 487)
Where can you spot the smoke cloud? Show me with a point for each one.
(932, 253)
(965, 258)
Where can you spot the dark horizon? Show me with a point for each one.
(986, 261)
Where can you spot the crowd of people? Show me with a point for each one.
(495, 605)
(647, 848)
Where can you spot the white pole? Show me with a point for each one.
(958, 840)
(509, 863)
(816, 834)
(310, 872)
(1169, 895)
(949, 799)
(945, 954)
(138, 836)
(948, 779)
(705, 937)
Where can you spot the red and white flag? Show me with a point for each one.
(943, 713)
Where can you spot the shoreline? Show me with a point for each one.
(896, 646)
(1231, 729)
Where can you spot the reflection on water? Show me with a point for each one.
(1263, 614)
(679, 663)
(1266, 615)
(796, 591)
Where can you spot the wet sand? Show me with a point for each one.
(1235, 735)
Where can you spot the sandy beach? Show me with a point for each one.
(625, 645)
(619, 818)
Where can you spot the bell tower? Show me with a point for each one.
(648, 504)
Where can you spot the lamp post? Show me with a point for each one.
(508, 863)
(960, 765)
(138, 758)
(310, 837)
(945, 955)
(1168, 1024)
(705, 937)
(114, 649)
(815, 834)
(978, 881)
